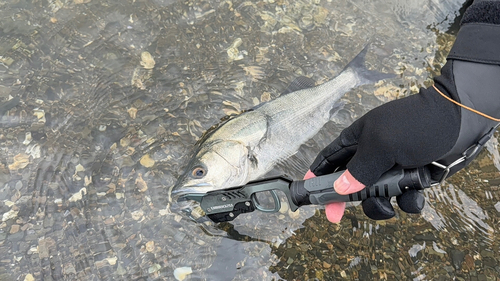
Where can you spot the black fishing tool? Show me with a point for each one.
(226, 204)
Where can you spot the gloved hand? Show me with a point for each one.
(426, 127)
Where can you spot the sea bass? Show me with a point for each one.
(249, 145)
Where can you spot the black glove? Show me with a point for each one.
(424, 128)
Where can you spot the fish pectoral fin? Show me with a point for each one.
(266, 133)
(335, 109)
(251, 156)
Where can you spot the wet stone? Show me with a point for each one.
(14, 228)
(485, 253)
(16, 236)
(179, 236)
(48, 222)
(120, 270)
(291, 253)
(31, 237)
(425, 237)
(490, 261)
(99, 248)
(5, 276)
(457, 257)
(3, 195)
(449, 268)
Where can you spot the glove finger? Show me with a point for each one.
(347, 184)
(367, 166)
(412, 201)
(378, 208)
(335, 211)
(309, 175)
(337, 153)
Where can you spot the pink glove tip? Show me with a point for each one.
(335, 211)
(309, 175)
(347, 184)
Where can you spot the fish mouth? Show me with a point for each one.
(183, 206)
(195, 188)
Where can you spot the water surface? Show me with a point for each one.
(101, 103)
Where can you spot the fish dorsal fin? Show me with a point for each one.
(214, 128)
(299, 83)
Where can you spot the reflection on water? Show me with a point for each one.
(101, 103)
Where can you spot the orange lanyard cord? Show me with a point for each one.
(466, 107)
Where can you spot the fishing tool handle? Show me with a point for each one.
(320, 191)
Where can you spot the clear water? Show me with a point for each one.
(94, 131)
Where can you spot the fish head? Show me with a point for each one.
(217, 165)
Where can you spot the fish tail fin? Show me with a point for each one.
(366, 76)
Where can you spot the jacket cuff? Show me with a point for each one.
(479, 37)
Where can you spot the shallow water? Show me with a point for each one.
(101, 103)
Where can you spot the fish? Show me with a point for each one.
(248, 146)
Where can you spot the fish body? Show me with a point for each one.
(249, 145)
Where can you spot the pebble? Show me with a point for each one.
(266, 96)
(179, 236)
(112, 261)
(150, 246)
(147, 161)
(497, 206)
(147, 60)
(132, 112)
(16, 236)
(9, 215)
(154, 268)
(294, 215)
(457, 258)
(120, 270)
(140, 183)
(78, 196)
(137, 215)
(14, 228)
(21, 160)
(284, 207)
(181, 273)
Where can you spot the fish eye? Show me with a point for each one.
(198, 172)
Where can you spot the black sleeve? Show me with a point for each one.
(478, 39)
(471, 76)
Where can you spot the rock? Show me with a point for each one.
(132, 112)
(154, 268)
(181, 273)
(21, 160)
(78, 196)
(147, 161)
(16, 236)
(137, 215)
(9, 215)
(147, 60)
(457, 258)
(140, 183)
(120, 270)
(469, 263)
(150, 246)
(14, 228)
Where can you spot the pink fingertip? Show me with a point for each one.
(335, 211)
(347, 184)
(309, 175)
